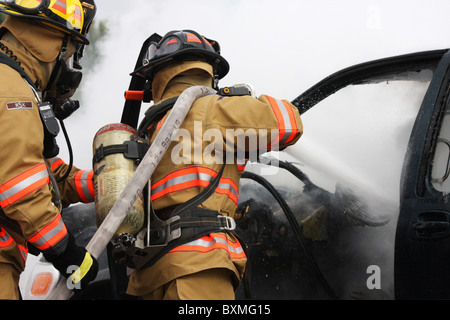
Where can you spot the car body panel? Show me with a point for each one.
(423, 234)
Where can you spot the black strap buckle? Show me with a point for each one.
(135, 149)
(163, 232)
(130, 149)
(228, 223)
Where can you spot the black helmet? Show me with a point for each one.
(184, 45)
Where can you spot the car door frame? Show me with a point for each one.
(422, 249)
(372, 69)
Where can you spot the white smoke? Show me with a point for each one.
(280, 47)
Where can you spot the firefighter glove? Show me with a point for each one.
(76, 264)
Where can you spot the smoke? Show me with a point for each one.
(358, 137)
(280, 47)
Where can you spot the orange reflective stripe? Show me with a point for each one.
(213, 242)
(193, 38)
(181, 172)
(71, 14)
(285, 119)
(192, 177)
(84, 185)
(90, 184)
(172, 41)
(23, 184)
(23, 251)
(61, 6)
(49, 235)
(276, 111)
(77, 13)
(227, 186)
(56, 162)
(241, 167)
(5, 239)
(161, 122)
(181, 186)
(293, 123)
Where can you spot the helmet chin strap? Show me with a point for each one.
(215, 82)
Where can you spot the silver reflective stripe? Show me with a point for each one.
(208, 244)
(49, 235)
(5, 237)
(286, 120)
(193, 177)
(229, 187)
(85, 187)
(61, 4)
(182, 179)
(23, 252)
(19, 187)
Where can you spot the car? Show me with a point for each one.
(358, 208)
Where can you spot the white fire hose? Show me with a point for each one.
(138, 181)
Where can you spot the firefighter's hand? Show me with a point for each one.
(76, 264)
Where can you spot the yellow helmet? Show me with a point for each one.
(69, 16)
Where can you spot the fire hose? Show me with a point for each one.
(138, 181)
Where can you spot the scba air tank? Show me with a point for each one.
(115, 150)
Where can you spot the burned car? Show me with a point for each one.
(358, 208)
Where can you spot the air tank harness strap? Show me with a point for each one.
(130, 149)
(153, 114)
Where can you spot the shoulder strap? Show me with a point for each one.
(154, 113)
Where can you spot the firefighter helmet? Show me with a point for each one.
(184, 45)
(70, 16)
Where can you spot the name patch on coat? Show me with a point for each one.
(19, 105)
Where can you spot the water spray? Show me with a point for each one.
(362, 205)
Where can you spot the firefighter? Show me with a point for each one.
(39, 42)
(211, 265)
